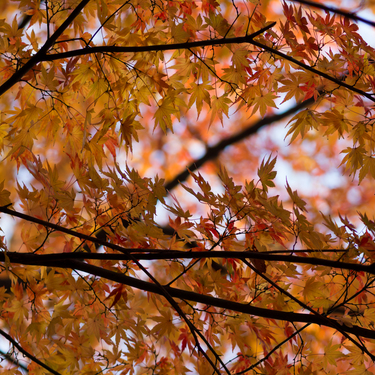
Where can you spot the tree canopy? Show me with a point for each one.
(145, 229)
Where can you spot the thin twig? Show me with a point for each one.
(27, 354)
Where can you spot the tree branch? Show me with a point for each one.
(162, 290)
(50, 260)
(207, 299)
(188, 45)
(155, 47)
(14, 361)
(27, 354)
(154, 254)
(59, 228)
(308, 308)
(39, 56)
(335, 10)
(313, 70)
(42, 54)
(214, 151)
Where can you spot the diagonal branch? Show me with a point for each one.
(162, 290)
(335, 10)
(313, 70)
(214, 151)
(39, 56)
(59, 228)
(12, 360)
(27, 354)
(280, 344)
(308, 308)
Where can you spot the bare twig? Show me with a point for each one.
(26, 353)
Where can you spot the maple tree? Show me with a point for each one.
(145, 228)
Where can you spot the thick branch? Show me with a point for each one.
(41, 55)
(209, 300)
(162, 290)
(214, 151)
(27, 258)
(157, 47)
(188, 45)
(52, 259)
(335, 10)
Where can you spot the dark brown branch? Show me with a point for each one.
(52, 259)
(335, 10)
(209, 300)
(59, 228)
(161, 288)
(313, 70)
(12, 360)
(41, 55)
(157, 47)
(214, 151)
(188, 45)
(38, 57)
(308, 308)
(27, 354)
(279, 345)
(134, 254)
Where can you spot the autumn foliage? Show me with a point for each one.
(187, 187)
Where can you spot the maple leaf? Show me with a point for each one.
(259, 264)
(48, 79)
(93, 265)
(182, 229)
(219, 106)
(200, 93)
(291, 87)
(353, 159)
(332, 354)
(4, 195)
(164, 323)
(303, 122)
(118, 292)
(300, 203)
(266, 172)
(164, 113)
(239, 58)
(263, 101)
(368, 167)
(312, 289)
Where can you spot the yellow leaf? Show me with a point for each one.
(4, 195)
(312, 289)
(263, 101)
(266, 173)
(199, 94)
(332, 354)
(164, 113)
